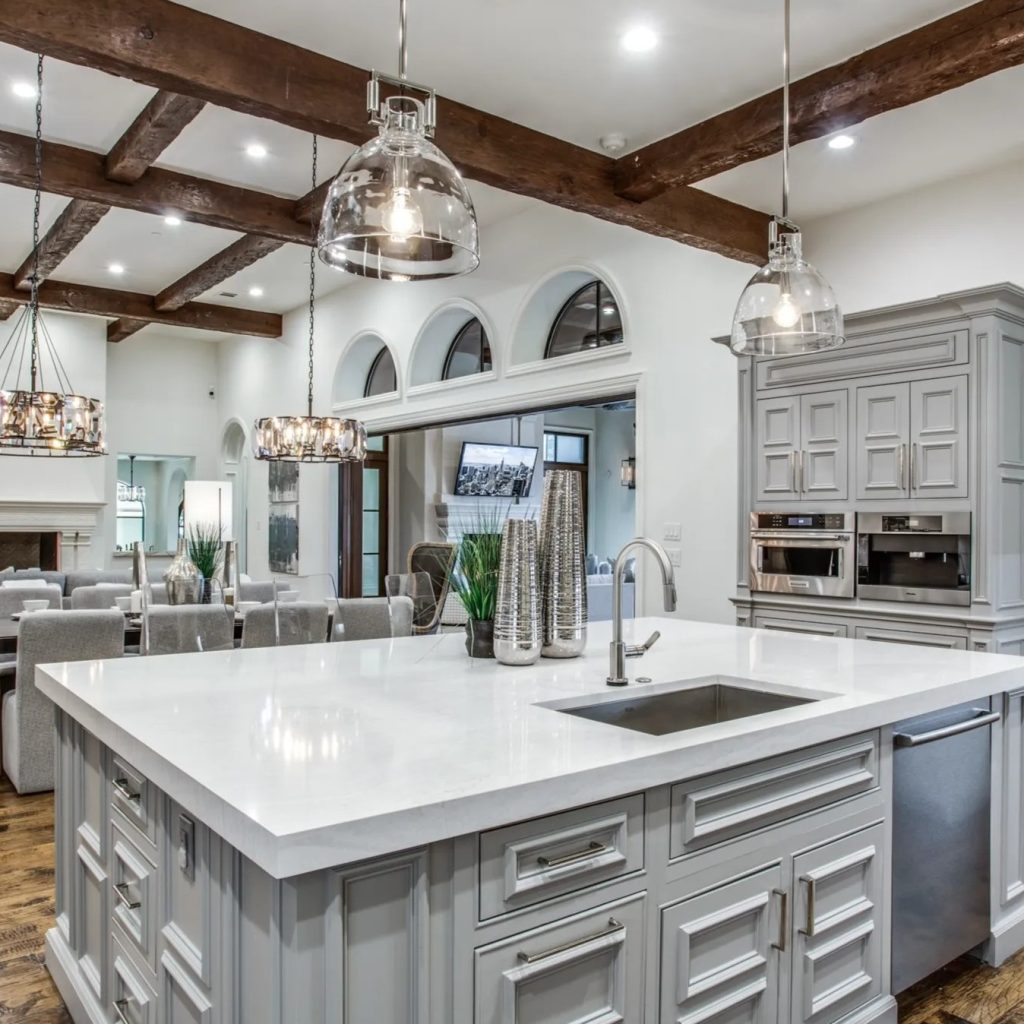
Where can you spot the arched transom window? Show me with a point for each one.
(469, 352)
(382, 378)
(589, 320)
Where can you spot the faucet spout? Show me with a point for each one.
(618, 650)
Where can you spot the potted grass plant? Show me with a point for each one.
(205, 551)
(475, 580)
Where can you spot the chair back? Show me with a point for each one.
(185, 628)
(374, 618)
(256, 590)
(99, 595)
(437, 559)
(283, 625)
(48, 638)
(12, 599)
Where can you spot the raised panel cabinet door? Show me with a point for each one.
(883, 438)
(813, 627)
(778, 442)
(837, 927)
(720, 952)
(585, 969)
(824, 456)
(949, 641)
(938, 438)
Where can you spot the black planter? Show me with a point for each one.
(480, 638)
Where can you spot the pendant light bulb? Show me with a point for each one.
(786, 312)
(401, 217)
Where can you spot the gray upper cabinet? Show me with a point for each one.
(912, 439)
(802, 447)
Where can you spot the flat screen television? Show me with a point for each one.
(495, 470)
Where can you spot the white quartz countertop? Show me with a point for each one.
(308, 757)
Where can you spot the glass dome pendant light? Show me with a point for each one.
(787, 307)
(47, 417)
(309, 438)
(398, 209)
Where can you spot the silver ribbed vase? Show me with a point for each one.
(563, 582)
(517, 629)
(184, 581)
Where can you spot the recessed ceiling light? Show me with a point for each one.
(172, 220)
(255, 291)
(639, 39)
(841, 142)
(24, 90)
(256, 150)
(115, 268)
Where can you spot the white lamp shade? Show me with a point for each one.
(208, 503)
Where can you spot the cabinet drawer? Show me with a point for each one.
(132, 795)
(740, 800)
(813, 627)
(952, 641)
(134, 894)
(586, 968)
(133, 999)
(533, 861)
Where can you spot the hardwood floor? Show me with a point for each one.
(964, 992)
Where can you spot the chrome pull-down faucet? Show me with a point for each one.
(620, 651)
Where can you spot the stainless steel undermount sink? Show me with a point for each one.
(691, 706)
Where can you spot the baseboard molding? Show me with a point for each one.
(880, 1011)
(1006, 938)
(63, 968)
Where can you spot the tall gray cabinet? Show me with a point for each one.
(920, 410)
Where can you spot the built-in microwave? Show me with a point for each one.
(921, 557)
(808, 553)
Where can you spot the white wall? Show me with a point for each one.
(674, 299)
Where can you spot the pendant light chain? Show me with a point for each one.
(785, 114)
(312, 299)
(403, 39)
(37, 199)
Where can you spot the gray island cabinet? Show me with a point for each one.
(736, 873)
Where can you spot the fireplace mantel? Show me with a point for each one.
(76, 521)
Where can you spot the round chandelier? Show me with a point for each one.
(787, 307)
(309, 438)
(398, 209)
(40, 413)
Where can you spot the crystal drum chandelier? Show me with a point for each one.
(309, 438)
(787, 307)
(398, 209)
(42, 415)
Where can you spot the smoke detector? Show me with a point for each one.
(613, 142)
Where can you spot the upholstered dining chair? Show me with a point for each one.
(99, 595)
(373, 618)
(12, 599)
(256, 590)
(283, 625)
(48, 637)
(185, 628)
(436, 559)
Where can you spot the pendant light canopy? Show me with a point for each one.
(309, 438)
(787, 307)
(40, 413)
(398, 209)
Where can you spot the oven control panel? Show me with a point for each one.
(801, 521)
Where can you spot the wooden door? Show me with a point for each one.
(883, 428)
(825, 444)
(938, 437)
(778, 442)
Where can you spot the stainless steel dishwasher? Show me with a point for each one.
(940, 838)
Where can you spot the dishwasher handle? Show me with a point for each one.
(980, 719)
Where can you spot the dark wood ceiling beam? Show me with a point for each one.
(80, 174)
(121, 330)
(110, 302)
(182, 50)
(157, 126)
(7, 308)
(76, 220)
(971, 43)
(219, 267)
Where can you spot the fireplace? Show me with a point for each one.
(49, 534)
(30, 549)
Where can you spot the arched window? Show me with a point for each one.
(382, 378)
(590, 319)
(469, 352)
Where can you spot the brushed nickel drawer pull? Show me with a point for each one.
(808, 928)
(592, 850)
(121, 785)
(613, 927)
(120, 1005)
(783, 896)
(121, 892)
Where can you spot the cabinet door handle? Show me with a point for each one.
(613, 928)
(803, 482)
(120, 1005)
(121, 785)
(121, 892)
(593, 849)
(903, 466)
(783, 898)
(980, 718)
(913, 466)
(792, 472)
(808, 928)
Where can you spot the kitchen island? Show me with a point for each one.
(389, 832)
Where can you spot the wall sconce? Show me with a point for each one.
(628, 473)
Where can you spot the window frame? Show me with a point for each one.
(485, 343)
(569, 304)
(384, 351)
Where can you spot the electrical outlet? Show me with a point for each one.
(673, 531)
(675, 556)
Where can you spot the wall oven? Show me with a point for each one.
(809, 553)
(915, 557)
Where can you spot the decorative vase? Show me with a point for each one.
(563, 581)
(517, 630)
(480, 638)
(184, 581)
